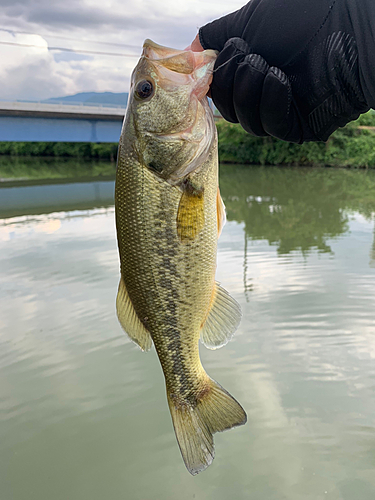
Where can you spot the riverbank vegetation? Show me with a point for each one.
(89, 150)
(352, 146)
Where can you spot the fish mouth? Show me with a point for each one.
(184, 62)
(180, 61)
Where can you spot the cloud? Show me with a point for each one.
(120, 16)
(80, 17)
(38, 73)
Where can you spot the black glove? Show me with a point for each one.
(294, 69)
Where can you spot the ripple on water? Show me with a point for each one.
(79, 396)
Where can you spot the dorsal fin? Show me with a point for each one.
(221, 215)
(222, 320)
(130, 321)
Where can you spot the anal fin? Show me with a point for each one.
(129, 319)
(222, 320)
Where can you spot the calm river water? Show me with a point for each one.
(83, 412)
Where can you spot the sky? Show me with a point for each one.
(31, 30)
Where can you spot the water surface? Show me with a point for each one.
(83, 413)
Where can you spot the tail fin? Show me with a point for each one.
(194, 425)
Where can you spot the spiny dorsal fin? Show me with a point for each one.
(129, 320)
(221, 216)
(190, 215)
(222, 320)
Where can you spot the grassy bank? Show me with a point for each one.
(104, 151)
(351, 146)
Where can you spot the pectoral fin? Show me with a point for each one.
(190, 215)
(130, 321)
(222, 320)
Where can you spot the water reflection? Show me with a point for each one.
(292, 208)
(83, 412)
(42, 169)
(296, 209)
(31, 198)
(372, 253)
(37, 186)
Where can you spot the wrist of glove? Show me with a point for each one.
(317, 94)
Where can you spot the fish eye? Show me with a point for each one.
(144, 89)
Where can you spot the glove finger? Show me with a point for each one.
(247, 94)
(226, 65)
(278, 112)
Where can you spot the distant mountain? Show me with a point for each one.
(92, 97)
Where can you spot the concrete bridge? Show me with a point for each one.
(61, 122)
(38, 121)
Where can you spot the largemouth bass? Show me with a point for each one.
(169, 214)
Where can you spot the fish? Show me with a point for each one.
(169, 214)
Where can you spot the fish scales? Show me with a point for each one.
(179, 297)
(168, 218)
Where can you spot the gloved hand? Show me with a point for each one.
(295, 70)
